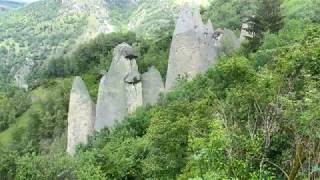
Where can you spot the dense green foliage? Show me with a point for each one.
(230, 13)
(268, 18)
(251, 116)
(35, 32)
(96, 55)
(7, 5)
(239, 120)
(12, 105)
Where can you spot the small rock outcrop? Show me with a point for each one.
(152, 86)
(81, 116)
(244, 32)
(120, 90)
(193, 46)
(227, 41)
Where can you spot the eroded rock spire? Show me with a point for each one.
(120, 90)
(192, 46)
(152, 86)
(81, 116)
(195, 45)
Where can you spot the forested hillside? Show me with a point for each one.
(7, 5)
(32, 34)
(252, 115)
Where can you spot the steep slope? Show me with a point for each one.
(30, 35)
(151, 18)
(45, 29)
(7, 5)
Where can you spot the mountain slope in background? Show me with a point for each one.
(31, 35)
(6, 5)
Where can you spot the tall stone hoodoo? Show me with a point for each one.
(120, 90)
(81, 116)
(189, 53)
(194, 46)
(152, 86)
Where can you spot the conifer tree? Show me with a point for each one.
(268, 17)
(316, 11)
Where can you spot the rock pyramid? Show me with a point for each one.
(192, 48)
(195, 45)
(152, 86)
(120, 90)
(81, 116)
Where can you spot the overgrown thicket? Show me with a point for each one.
(96, 55)
(12, 105)
(251, 116)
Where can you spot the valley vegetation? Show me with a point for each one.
(253, 115)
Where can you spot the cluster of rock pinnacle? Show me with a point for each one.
(195, 46)
(121, 91)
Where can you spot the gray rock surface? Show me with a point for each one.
(133, 87)
(134, 96)
(244, 33)
(152, 86)
(193, 46)
(120, 90)
(228, 41)
(81, 116)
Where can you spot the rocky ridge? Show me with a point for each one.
(195, 46)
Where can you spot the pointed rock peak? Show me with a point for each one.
(209, 26)
(153, 70)
(79, 86)
(197, 16)
(152, 86)
(81, 116)
(125, 50)
(185, 21)
(189, 19)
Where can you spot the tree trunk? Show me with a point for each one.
(300, 157)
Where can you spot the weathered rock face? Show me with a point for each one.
(81, 116)
(227, 41)
(120, 90)
(193, 46)
(152, 86)
(133, 88)
(244, 33)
